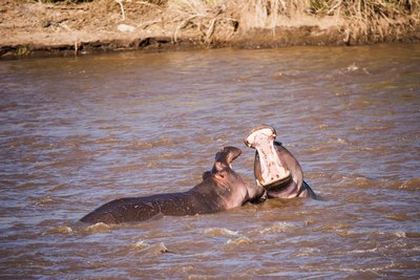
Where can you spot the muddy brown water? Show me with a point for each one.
(78, 132)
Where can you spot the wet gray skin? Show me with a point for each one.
(221, 189)
(275, 168)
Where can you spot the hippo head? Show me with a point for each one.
(223, 160)
(235, 190)
(268, 168)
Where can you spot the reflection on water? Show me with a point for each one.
(77, 132)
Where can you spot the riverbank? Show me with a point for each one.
(30, 28)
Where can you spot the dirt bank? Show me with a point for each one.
(29, 28)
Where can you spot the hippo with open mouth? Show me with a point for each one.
(220, 189)
(275, 168)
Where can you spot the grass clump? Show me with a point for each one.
(220, 20)
(64, 1)
(207, 17)
(372, 19)
(359, 20)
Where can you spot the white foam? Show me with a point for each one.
(98, 227)
(239, 241)
(278, 227)
(141, 244)
(220, 232)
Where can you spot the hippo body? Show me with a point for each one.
(220, 189)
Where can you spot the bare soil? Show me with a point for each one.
(42, 29)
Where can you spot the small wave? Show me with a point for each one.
(357, 180)
(307, 251)
(289, 74)
(153, 164)
(411, 185)
(408, 185)
(373, 128)
(60, 230)
(106, 140)
(352, 67)
(346, 233)
(142, 145)
(58, 187)
(355, 68)
(43, 201)
(400, 217)
(370, 269)
(339, 228)
(141, 244)
(278, 227)
(242, 240)
(215, 232)
(362, 181)
(157, 249)
(323, 126)
(400, 234)
(98, 227)
(363, 251)
(126, 168)
(163, 141)
(375, 233)
(338, 140)
(161, 248)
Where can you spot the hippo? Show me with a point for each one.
(275, 168)
(221, 189)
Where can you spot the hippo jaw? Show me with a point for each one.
(273, 172)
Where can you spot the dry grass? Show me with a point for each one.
(220, 20)
(372, 19)
(209, 18)
(360, 19)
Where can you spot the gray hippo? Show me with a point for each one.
(275, 168)
(220, 189)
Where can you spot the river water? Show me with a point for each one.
(78, 132)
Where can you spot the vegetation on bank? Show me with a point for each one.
(44, 27)
(372, 19)
(358, 20)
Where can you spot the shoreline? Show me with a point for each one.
(35, 29)
(285, 38)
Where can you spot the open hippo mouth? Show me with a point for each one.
(272, 173)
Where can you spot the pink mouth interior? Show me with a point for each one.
(272, 169)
